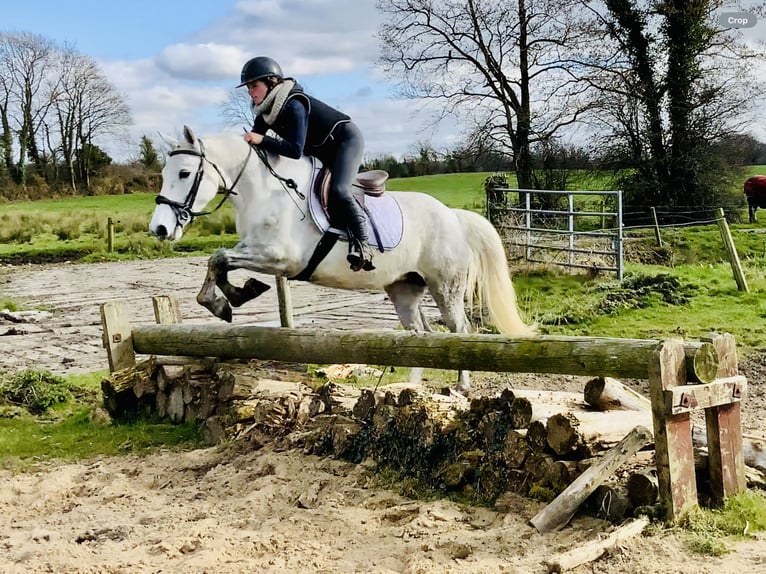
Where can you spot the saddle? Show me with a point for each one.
(372, 183)
(385, 222)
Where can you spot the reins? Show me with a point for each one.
(286, 181)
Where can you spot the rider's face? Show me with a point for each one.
(257, 91)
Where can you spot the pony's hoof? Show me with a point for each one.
(249, 291)
(220, 308)
(224, 312)
(255, 288)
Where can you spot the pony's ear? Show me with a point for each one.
(189, 135)
(171, 142)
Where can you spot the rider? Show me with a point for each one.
(307, 126)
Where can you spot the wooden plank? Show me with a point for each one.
(559, 512)
(724, 431)
(476, 352)
(703, 396)
(594, 549)
(674, 453)
(118, 341)
(166, 310)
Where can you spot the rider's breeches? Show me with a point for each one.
(344, 167)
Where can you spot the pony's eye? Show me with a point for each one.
(183, 174)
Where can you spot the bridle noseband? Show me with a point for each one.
(183, 211)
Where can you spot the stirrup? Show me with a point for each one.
(359, 257)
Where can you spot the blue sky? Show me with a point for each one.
(176, 61)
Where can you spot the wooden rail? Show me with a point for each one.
(626, 358)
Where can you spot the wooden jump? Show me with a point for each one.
(669, 365)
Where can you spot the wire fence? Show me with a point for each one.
(582, 229)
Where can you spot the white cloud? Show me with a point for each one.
(204, 62)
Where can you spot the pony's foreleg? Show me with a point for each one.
(237, 296)
(207, 297)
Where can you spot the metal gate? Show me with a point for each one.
(573, 229)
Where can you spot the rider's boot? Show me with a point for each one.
(359, 252)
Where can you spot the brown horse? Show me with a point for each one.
(755, 191)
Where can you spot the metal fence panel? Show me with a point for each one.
(573, 229)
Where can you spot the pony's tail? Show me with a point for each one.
(489, 276)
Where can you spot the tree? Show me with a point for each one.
(498, 65)
(237, 109)
(149, 157)
(87, 108)
(53, 101)
(93, 157)
(25, 96)
(671, 85)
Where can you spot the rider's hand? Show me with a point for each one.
(253, 138)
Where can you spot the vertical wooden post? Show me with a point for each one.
(731, 250)
(656, 227)
(166, 310)
(285, 302)
(118, 340)
(109, 235)
(674, 452)
(724, 431)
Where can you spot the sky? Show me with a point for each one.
(175, 62)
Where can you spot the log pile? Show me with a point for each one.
(533, 443)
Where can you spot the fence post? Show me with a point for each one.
(285, 302)
(731, 250)
(656, 227)
(109, 235)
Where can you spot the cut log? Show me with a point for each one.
(609, 502)
(537, 436)
(364, 407)
(520, 412)
(558, 513)
(516, 449)
(642, 488)
(491, 428)
(548, 403)
(545, 472)
(127, 378)
(568, 432)
(607, 393)
(590, 551)
(753, 447)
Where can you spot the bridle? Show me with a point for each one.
(183, 211)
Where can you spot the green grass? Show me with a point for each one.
(702, 299)
(463, 190)
(707, 530)
(75, 428)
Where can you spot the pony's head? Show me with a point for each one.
(187, 187)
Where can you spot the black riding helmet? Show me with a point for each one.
(258, 68)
